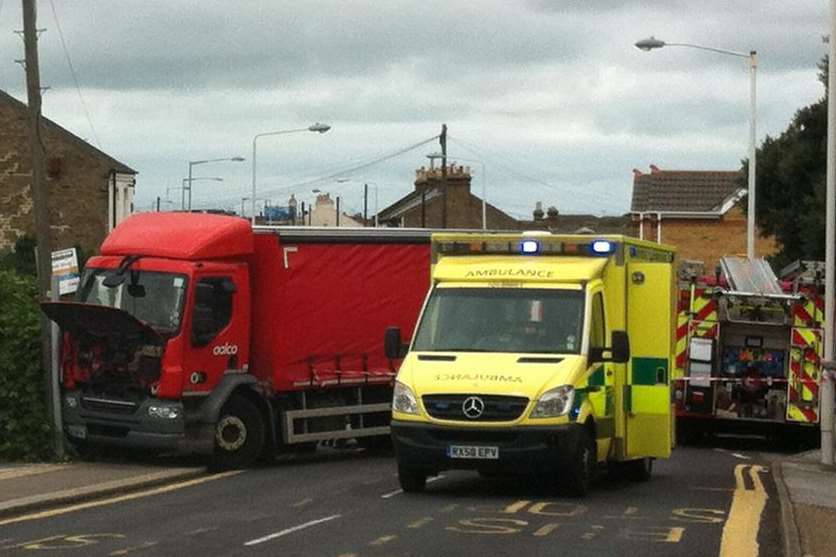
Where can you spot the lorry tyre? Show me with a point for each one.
(239, 435)
(579, 471)
(411, 479)
(639, 470)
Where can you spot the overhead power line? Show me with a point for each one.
(75, 78)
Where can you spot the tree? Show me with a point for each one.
(791, 183)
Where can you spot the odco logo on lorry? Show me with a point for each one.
(225, 350)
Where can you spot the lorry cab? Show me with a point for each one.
(522, 359)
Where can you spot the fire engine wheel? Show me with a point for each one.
(239, 435)
(580, 470)
(639, 470)
(411, 480)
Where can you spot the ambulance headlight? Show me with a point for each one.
(403, 399)
(555, 402)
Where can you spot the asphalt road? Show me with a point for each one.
(348, 503)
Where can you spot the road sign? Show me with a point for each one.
(65, 269)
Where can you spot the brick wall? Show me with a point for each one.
(707, 239)
(76, 178)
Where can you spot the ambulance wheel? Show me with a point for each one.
(411, 480)
(580, 470)
(639, 470)
(239, 435)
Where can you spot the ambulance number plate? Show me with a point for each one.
(470, 451)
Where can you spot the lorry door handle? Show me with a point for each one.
(660, 375)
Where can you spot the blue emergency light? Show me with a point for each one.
(602, 247)
(529, 247)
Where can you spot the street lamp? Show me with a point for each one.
(189, 181)
(433, 156)
(653, 43)
(317, 127)
(195, 163)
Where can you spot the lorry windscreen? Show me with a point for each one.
(519, 320)
(152, 297)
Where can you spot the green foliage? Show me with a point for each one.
(22, 257)
(791, 185)
(24, 421)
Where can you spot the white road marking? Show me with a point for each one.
(743, 456)
(303, 502)
(287, 531)
(399, 491)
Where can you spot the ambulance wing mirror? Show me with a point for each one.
(620, 347)
(392, 346)
(619, 350)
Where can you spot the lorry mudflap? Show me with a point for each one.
(435, 448)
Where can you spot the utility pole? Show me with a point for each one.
(40, 197)
(442, 139)
(365, 204)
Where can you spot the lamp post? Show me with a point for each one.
(654, 43)
(433, 156)
(189, 181)
(317, 127)
(827, 378)
(195, 163)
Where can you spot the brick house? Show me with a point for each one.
(698, 211)
(424, 207)
(89, 191)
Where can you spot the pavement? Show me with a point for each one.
(32, 487)
(807, 490)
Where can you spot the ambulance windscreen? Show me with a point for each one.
(540, 321)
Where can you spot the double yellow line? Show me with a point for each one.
(740, 534)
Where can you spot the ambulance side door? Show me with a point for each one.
(647, 395)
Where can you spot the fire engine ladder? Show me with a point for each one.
(750, 276)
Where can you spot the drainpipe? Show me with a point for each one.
(659, 228)
(641, 226)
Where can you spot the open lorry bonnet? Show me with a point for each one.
(98, 321)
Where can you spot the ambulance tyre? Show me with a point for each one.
(639, 470)
(411, 479)
(239, 435)
(580, 469)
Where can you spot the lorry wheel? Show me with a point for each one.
(580, 470)
(411, 480)
(639, 470)
(239, 435)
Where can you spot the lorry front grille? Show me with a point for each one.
(108, 405)
(497, 408)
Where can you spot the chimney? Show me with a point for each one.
(636, 173)
(551, 214)
(654, 169)
(538, 211)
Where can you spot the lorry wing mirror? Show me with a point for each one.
(392, 345)
(619, 350)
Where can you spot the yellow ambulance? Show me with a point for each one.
(541, 352)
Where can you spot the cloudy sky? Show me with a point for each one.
(547, 98)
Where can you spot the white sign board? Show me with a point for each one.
(65, 269)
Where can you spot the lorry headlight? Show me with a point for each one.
(164, 412)
(555, 402)
(403, 399)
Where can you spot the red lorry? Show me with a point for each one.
(197, 333)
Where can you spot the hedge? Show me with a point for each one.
(25, 432)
